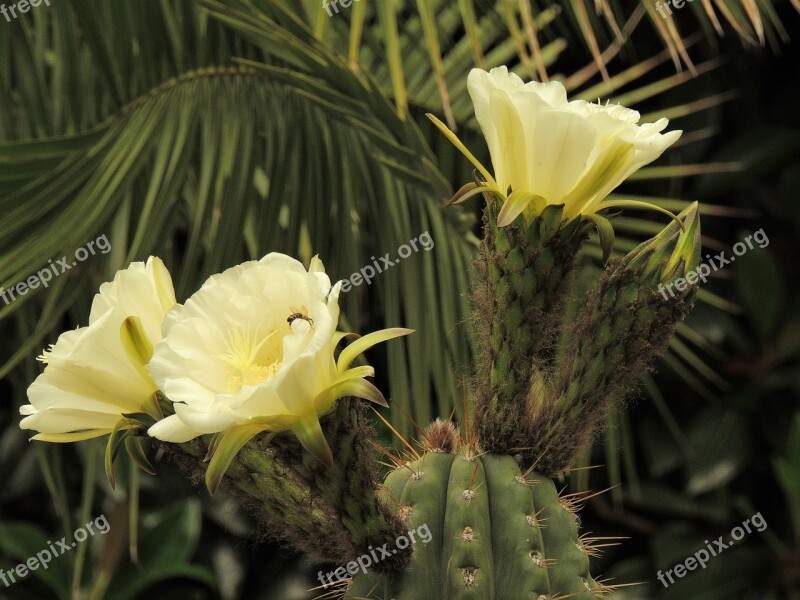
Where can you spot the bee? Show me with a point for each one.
(299, 313)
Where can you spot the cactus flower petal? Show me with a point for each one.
(541, 144)
(95, 374)
(254, 350)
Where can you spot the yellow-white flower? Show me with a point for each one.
(253, 351)
(95, 374)
(547, 150)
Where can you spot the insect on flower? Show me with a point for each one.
(299, 313)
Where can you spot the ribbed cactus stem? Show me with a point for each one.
(497, 533)
(523, 276)
(624, 324)
(331, 514)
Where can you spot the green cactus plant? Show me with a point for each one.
(499, 528)
(487, 493)
(497, 531)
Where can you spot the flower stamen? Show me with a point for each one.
(241, 357)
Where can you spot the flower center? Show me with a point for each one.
(250, 358)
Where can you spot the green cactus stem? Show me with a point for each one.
(331, 514)
(524, 273)
(545, 383)
(625, 323)
(497, 533)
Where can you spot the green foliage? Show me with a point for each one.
(169, 539)
(168, 543)
(212, 132)
(730, 459)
